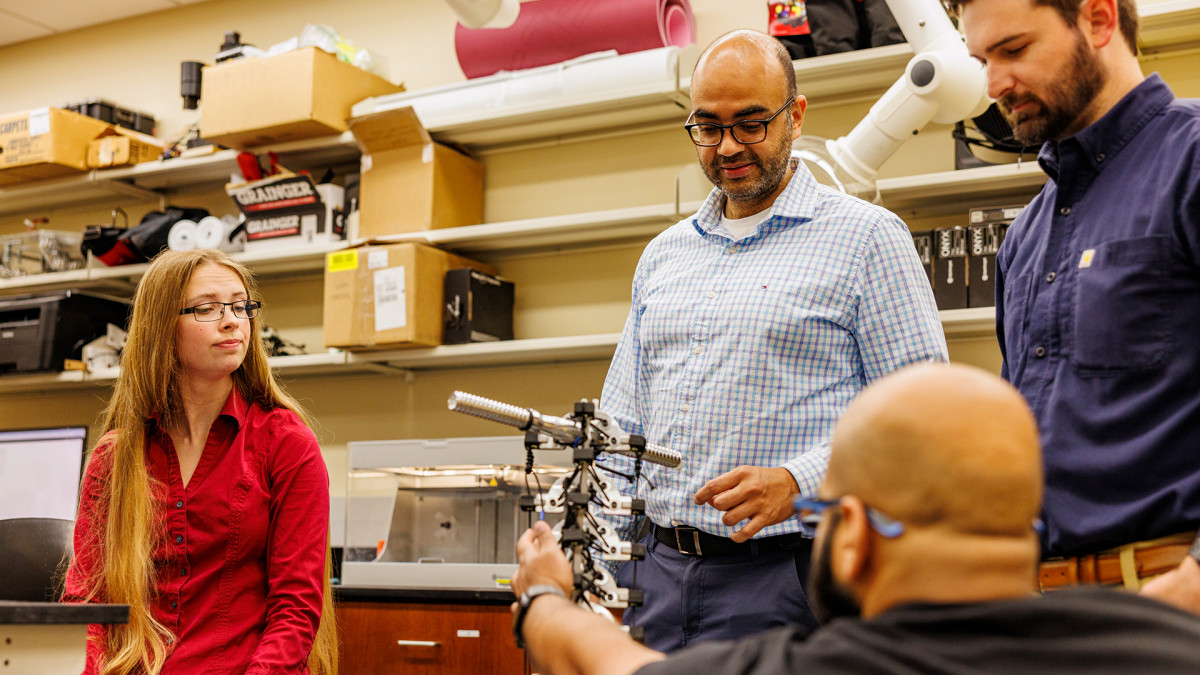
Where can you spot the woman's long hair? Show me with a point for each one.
(149, 386)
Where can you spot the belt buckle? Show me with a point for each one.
(695, 540)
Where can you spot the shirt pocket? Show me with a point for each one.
(1016, 321)
(1120, 317)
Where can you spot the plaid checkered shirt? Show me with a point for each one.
(745, 352)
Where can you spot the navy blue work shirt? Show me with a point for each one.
(1098, 316)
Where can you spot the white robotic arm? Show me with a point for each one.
(485, 13)
(941, 83)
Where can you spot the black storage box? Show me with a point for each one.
(478, 307)
(988, 225)
(985, 241)
(107, 111)
(950, 267)
(38, 332)
(924, 244)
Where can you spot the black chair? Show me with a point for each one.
(31, 550)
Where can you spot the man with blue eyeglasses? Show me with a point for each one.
(925, 560)
(752, 325)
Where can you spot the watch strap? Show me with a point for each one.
(532, 593)
(1194, 551)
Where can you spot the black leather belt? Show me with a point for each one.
(690, 541)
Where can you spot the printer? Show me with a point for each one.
(38, 332)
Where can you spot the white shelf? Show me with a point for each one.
(959, 323)
(840, 78)
(166, 178)
(957, 191)
(592, 227)
(266, 264)
(1169, 26)
(508, 352)
(969, 323)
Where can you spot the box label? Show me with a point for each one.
(342, 260)
(39, 122)
(377, 259)
(391, 303)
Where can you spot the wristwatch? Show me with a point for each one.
(1194, 551)
(527, 598)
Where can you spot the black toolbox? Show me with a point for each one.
(107, 111)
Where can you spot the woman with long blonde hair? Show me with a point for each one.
(205, 506)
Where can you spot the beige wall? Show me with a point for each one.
(135, 62)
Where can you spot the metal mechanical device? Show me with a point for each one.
(584, 497)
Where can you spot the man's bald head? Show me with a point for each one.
(944, 446)
(747, 47)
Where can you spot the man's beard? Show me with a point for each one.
(1052, 117)
(772, 170)
(827, 598)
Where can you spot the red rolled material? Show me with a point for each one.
(552, 31)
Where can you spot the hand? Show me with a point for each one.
(1179, 587)
(761, 494)
(541, 561)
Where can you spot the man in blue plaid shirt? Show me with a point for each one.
(753, 324)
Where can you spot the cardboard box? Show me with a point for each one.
(477, 307)
(950, 267)
(409, 183)
(45, 143)
(116, 146)
(298, 94)
(288, 210)
(385, 297)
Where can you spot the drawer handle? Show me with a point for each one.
(418, 643)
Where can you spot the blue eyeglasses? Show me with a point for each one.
(809, 512)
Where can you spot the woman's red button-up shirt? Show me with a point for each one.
(240, 568)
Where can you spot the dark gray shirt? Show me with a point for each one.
(1093, 631)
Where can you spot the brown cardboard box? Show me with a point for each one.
(384, 297)
(298, 94)
(116, 146)
(410, 183)
(44, 143)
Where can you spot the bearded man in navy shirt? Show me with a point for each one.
(1097, 287)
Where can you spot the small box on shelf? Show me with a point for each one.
(116, 146)
(384, 297)
(986, 231)
(45, 143)
(410, 183)
(288, 210)
(299, 94)
(924, 243)
(950, 267)
(477, 307)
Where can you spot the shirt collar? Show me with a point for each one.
(798, 201)
(235, 409)
(1106, 137)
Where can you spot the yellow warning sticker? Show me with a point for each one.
(342, 260)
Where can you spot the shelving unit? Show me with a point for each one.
(958, 323)
(828, 80)
(1167, 27)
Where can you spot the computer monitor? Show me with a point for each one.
(40, 471)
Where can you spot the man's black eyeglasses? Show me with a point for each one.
(213, 311)
(746, 132)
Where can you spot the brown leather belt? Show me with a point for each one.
(1105, 567)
